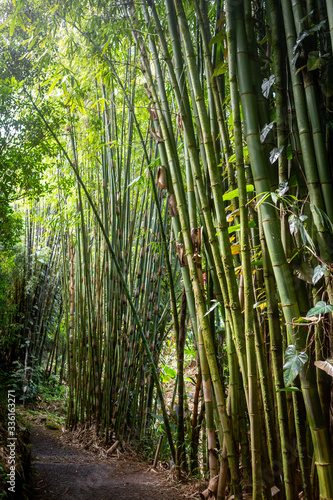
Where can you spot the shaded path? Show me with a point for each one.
(64, 472)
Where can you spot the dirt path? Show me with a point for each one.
(64, 472)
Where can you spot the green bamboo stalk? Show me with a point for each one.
(315, 120)
(247, 272)
(280, 266)
(329, 7)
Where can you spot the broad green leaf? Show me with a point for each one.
(316, 60)
(231, 229)
(289, 153)
(275, 153)
(318, 26)
(327, 366)
(158, 417)
(235, 193)
(274, 198)
(326, 87)
(293, 180)
(294, 363)
(266, 85)
(323, 217)
(265, 131)
(220, 69)
(190, 352)
(289, 389)
(320, 308)
(217, 38)
(283, 189)
(304, 320)
(318, 273)
(170, 372)
(296, 224)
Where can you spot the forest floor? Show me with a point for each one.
(63, 470)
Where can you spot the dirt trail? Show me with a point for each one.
(64, 472)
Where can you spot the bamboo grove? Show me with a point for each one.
(193, 201)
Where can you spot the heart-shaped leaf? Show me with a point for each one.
(318, 273)
(316, 60)
(320, 308)
(266, 85)
(265, 131)
(275, 153)
(294, 363)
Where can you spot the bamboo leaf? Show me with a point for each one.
(12, 26)
(217, 38)
(3, 25)
(294, 363)
(231, 229)
(320, 308)
(235, 193)
(263, 198)
(170, 372)
(220, 69)
(54, 83)
(133, 182)
(289, 389)
(54, 9)
(214, 306)
(262, 304)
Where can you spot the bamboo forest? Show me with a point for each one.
(166, 234)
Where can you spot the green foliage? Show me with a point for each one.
(27, 381)
(320, 308)
(11, 262)
(11, 225)
(318, 273)
(316, 60)
(294, 363)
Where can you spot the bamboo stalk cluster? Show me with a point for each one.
(217, 193)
